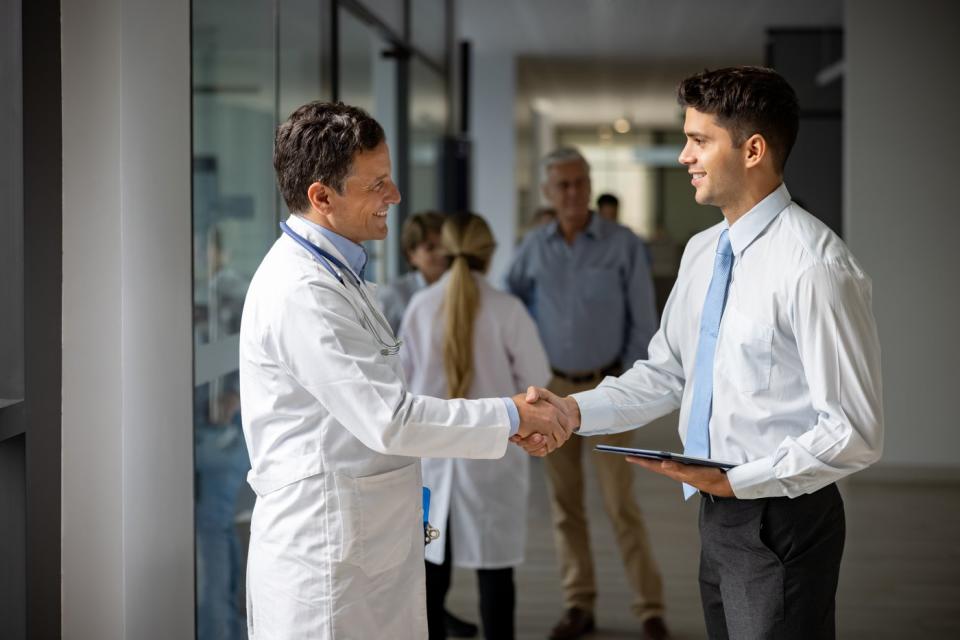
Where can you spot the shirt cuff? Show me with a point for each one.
(596, 410)
(513, 414)
(755, 479)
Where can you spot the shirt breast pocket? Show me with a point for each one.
(746, 351)
(601, 285)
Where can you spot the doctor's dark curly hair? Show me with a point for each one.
(317, 143)
(747, 100)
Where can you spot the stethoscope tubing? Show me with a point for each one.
(337, 269)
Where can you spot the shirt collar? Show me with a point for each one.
(594, 229)
(353, 253)
(596, 226)
(420, 280)
(749, 227)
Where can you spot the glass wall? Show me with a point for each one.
(428, 125)
(368, 79)
(254, 62)
(11, 207)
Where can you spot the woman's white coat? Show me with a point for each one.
(486, 500)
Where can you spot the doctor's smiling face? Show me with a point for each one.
(333, 168)
(358, 211)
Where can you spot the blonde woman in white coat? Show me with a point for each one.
(464, 339)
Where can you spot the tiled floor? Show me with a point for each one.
(900, 575)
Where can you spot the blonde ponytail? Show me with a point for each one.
(468, 241)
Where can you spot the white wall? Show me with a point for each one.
(127, 394)
(901, 216)
(493, 133)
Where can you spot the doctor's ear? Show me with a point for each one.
(754, 150)
(319, 196)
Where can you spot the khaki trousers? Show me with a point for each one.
(565, 473)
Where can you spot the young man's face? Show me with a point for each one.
(567, 188)
(360, 213)
(716, 167)
(428, 258)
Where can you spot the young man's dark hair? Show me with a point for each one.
(745, 101)
(607, 198)
(317, 144)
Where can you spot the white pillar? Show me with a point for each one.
(127, 458)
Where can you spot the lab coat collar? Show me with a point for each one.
(350, 252)
(748, 228)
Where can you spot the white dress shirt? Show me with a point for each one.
(796, 383)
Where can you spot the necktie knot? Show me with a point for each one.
(723, 246)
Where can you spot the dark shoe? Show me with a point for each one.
(457, 628)
(655, 629)
(574, 624)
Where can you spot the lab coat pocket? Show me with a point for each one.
(379, 516)
(747, 351)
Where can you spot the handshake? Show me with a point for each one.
(546, 420)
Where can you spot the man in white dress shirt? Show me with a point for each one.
(769, 348)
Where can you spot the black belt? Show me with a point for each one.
(611, 369)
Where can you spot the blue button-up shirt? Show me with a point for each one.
(355, 255)
(593, 301)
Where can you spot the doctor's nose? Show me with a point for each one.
(393, 195)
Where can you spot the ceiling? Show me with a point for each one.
(584, 62)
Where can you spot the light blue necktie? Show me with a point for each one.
(698, 427)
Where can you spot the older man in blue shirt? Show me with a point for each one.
(586, 281)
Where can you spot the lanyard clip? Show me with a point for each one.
(430, 533)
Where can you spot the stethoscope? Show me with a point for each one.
(339, 270)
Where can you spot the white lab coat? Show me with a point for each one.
(336, 540)
(485, 499)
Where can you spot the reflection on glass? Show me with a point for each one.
(428, 26)
(428, 124)
(11, 208)
(368, 81)
(234, 222)
(243, 72)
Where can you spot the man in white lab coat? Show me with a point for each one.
(336, 540)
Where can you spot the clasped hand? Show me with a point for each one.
(546, 420)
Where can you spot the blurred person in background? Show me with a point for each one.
(420, 242)
(587, 283)
(220, 458)
(543, 215)
(464, 339)
(608, 206)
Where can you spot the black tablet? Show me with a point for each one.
(663, 455)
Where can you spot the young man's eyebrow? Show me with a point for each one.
(695, 134)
